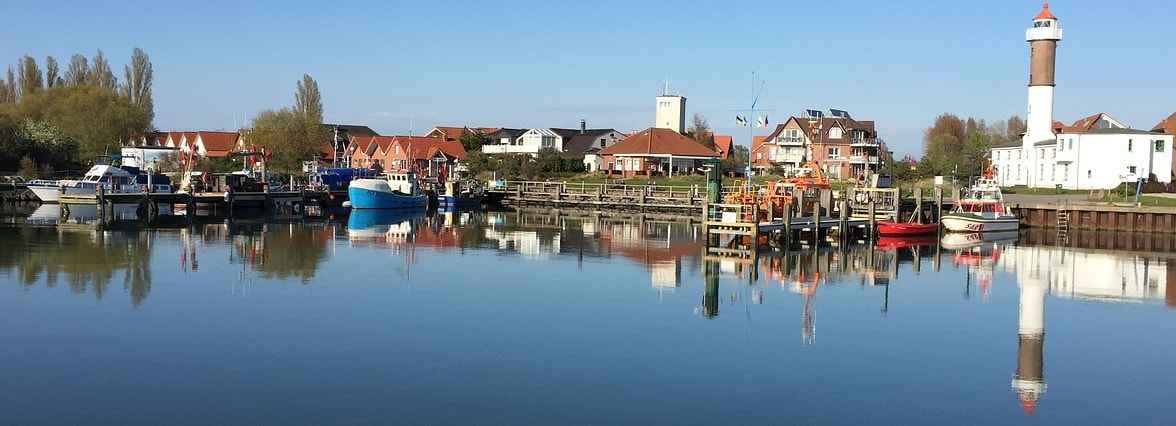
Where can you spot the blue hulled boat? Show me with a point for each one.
(392, 191)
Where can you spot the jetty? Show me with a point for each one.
(651, 198)
(226, 203)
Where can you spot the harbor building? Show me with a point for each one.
(1095, 152)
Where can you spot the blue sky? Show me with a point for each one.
(398, 65)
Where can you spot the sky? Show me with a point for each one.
(400, 66)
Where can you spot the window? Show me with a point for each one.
(1066, 172)
(1041, 171)
(1159, 146)
(835, 133)
(1041, 154)
(834, 152)
(1071, 144)
(1088, 173)
(1130, 145)
(1053, 153)
(1131, 170)
(602, 142)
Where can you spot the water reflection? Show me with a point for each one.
(88, 261)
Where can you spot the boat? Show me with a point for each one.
(390, 191)
(901, 229)
(113, 179)
(49, 191)
(460, 194)
(981, 208)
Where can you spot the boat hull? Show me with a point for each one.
(895, 229)
(449, 201)
(362, 198)
(956, 222)
(47, 194)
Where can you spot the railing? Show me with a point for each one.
(866, 142)
(789, 140)
(870, 159)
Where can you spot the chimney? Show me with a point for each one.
(583, 126)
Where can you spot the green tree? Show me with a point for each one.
(78, 71)
(472, 140)
(287, 137)
(308, 101)
(737, 161)
(97, 119)
(549, 161)
(137, 79)
(30, 76)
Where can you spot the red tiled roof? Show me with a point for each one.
(1083, 124)
(656, 141)
(218, 143)
(723, 144)
(420, 148)
(450, 131)
(1045, 13)
(1167, 125)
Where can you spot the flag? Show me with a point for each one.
(740, 121)
(762, 121)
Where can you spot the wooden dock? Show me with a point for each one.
(1066, 217)
(225, 202)
(653, 198)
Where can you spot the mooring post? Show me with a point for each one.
(816, 220)
(843, 223)
(939, 208)
(101, 203)
(918, 204)
(873, 220)
(897, 204)
(787, 236)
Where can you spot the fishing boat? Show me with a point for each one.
(460, 194)
(391, 191)
(981, 208)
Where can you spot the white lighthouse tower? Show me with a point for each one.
(1043, 40)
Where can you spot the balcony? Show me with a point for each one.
(863, 159)
(789, 141)
(787, 158)
(866, 142)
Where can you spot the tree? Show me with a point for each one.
(30, 76)
(28, 168)
(737, 162)
(78, 72)
(52, 73)
(701, 132)
(138, 76)
(8, 88)
(549, 161)
(308, 101)
(96, 119)
(472, 140)
(287, 137)
(100, 74)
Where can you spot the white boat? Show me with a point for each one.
(49, 191)
(981, 208)
(114, 179)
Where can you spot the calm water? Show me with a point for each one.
(539, 318)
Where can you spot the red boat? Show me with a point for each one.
(897, 229)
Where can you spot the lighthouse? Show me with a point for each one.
(1029, 379)
(1043, 40)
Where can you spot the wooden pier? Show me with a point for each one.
(653, 198)
(225, 202)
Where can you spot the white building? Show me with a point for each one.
(570, 142)
(1096, 152)
(671, 113)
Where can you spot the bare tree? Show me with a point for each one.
(52, 72)
(137, 79)
(100, 74)
(78, 72)
(308, 101)
(701, 132)
(30, 76)
(8, 87)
